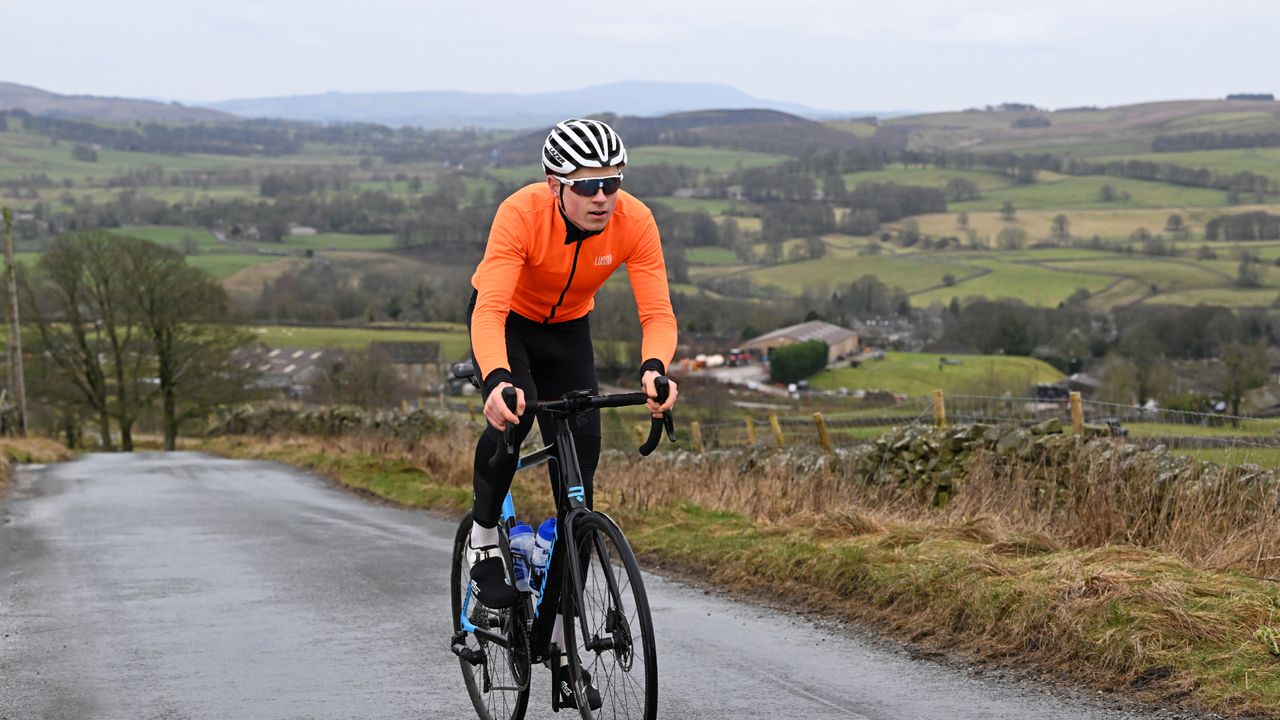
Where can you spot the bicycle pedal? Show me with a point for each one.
(472, 657)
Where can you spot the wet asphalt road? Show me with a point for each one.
(175, 586)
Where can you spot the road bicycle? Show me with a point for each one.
(592, 578)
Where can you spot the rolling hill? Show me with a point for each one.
(111, 109)
(450, 108)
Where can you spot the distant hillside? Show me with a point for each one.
(441, 109)
(764, 131)
(47, 104)
(1087, 131)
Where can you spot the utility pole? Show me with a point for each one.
(17, 379)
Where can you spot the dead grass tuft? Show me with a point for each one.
(1100, 567)
(1025, 543)
(28, 450)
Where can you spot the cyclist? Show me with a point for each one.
(550, 248)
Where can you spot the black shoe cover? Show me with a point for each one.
(490, 584)
(569, 700)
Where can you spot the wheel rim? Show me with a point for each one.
(621, 664)
(501, 695)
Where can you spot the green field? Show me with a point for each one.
(335, 241)
(1043, 276)
(1256, 428)
(713, 159)
(1167, 274)
(27, 154)
(927, 177)
(912, 273)
(1263, 161)
(205, 240)
(713, 206)
(1264, 456)
(1030, 283)
(1113, 224)
(1067, 193)
(919, 374)
(1229, 297)
(853, 127)
(711, 256)
(223, 266)
(453, 339)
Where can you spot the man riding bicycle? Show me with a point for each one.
(551, 246)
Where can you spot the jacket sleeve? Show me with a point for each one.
(495, 280)
(648, 272)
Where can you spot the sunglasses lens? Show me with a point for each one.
(589, 187)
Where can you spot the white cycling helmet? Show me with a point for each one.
(575, 143)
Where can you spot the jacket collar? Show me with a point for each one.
(573, 233)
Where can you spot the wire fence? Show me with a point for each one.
(1215, 436)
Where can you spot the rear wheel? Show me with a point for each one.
(496, 674)
(617, 648)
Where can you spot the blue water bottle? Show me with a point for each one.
(542, 547)
(522, 549)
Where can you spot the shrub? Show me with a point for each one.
(790, 363)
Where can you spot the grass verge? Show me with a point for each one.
(1116, 617)
(28, 450)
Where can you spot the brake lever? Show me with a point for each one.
(507, 447)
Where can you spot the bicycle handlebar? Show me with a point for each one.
(579, 401)
(663, 388)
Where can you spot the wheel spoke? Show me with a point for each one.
(499, 686)
(614, 610)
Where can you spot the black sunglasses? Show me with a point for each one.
(588, 187)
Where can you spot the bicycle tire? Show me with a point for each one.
(507, 694)
(627, 673)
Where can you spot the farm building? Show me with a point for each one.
(841, 341)
(293, 372)
(417, 363)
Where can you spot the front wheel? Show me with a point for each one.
(617, 646)
(496, 673)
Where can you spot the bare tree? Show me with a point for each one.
(182, 310)
(365, 378)
(62, 306)
(1243, 367)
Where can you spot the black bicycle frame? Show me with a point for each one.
(570, 504)
(570, 498)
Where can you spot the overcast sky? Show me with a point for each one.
(830, 54)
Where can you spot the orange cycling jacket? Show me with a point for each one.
(533, 265)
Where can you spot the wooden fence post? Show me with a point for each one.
(751, 431)
(822, 432)
(444, 406)
(471, 412)
(404, 406)
(939, 409)
(1077, 416)
(777, 428)
(696, 429)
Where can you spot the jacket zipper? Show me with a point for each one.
(572, 270)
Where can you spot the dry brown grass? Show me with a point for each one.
(1095, 567)
(1217, 518)
(1211, 519)
(28, 450)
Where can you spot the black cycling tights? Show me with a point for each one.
(547, 361)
